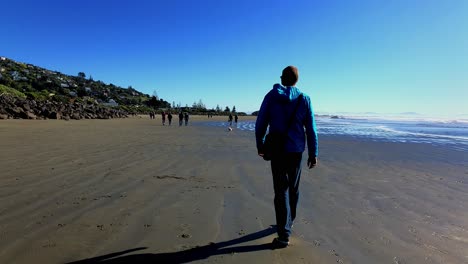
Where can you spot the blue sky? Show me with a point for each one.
(353, 56)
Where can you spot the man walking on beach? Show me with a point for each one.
(285, 111)
(230, 119)
(186, 117)
(181, 117)
(169, 117)
(163, 116)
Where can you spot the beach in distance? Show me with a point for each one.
(134, 191)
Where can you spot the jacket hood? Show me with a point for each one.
(284, 94)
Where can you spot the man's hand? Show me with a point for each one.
(311, 162)
(260, 151)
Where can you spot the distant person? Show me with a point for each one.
(169, 118)
(186, 117)
(230, 119)
(151, 115)
(163, 116)
(236, 117)
(181, 117)
(276, 112)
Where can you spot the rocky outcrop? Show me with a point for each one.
(19, 108)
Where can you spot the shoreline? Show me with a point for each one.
(81, 189)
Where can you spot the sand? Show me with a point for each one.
(134, 191)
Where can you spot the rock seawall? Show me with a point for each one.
(18, 108)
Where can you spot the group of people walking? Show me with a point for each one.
(236, 118)
(182, 117)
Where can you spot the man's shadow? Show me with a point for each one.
(184, 256)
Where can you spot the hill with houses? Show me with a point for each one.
(31, 85)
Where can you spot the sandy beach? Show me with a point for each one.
(134, 191)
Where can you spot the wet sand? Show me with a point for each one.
(134, 191)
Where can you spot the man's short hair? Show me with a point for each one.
(290, 76)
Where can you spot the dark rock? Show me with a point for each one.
(75, 116)
(31, 115)
(26, 107)
(54, 115)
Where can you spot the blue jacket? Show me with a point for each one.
(275, 112)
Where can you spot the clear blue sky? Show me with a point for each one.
(353, 56)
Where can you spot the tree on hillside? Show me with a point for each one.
(227, 109)
(153, 102)
(234, 109)
(81, 92)
(218, 109)
(82, 75)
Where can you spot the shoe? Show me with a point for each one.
(279, 243)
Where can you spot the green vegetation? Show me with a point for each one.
(41, 95)
(11, 91)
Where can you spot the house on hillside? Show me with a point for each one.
(111, 102)
(2, 58)
(17, 76)
(64, 85)
(88, 89)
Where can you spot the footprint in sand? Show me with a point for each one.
(185, 235)
(385, 240)
(49, 244)
(397, 260)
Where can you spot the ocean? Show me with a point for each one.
(452, 133)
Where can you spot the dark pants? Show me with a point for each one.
(286, 170)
